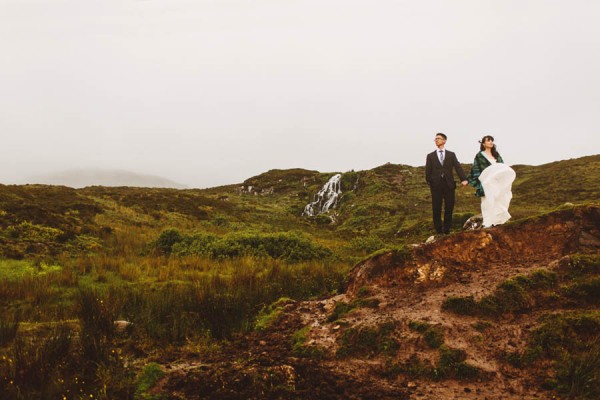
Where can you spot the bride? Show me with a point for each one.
(492, 180)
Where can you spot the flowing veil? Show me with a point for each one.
(497, 182)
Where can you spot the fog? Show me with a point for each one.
(211, 92)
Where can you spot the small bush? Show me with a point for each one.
(452, 364)
(368, 341)
(584, 291)
(167, 239)
(290, 247)
(341, 308)
(149, 376)
(414, 367)
(581, 265)
(348, 181)
(433, 334)
(366, 244)
(322, 219)
(32, 232)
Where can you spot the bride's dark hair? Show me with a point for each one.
(482, 146)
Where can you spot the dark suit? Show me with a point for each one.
(441, 183)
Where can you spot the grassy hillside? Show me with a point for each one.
(191, 267)
(389, 204)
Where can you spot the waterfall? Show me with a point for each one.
(326, 198)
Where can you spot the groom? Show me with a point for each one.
(440, 178)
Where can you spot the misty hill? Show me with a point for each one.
(79, 178)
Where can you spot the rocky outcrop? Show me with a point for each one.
(533, 240)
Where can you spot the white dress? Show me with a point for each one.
(497, 182)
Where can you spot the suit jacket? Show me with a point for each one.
(436, 173)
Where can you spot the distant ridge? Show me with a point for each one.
(79, 178)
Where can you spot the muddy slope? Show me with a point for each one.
(391, 336)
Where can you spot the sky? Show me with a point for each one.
(212, 92)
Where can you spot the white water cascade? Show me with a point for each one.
(326, 198)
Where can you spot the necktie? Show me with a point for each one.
(442, 156)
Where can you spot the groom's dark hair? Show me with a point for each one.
(442, 135)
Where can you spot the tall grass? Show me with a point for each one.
(8, 331)
(32, 367)
(224, 299)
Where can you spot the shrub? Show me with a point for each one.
(341, 308)
(32, 232)
(367, 341)
(290, 247)
(199, 244)
(322, 219)
(433, 334)
(584, 291)
(452, 364)
(167, 239)
(348, 181)
(461, 305)
(367, 244)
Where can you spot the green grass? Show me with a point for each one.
(450, 364)
(270, 314)
(147, 379)
(15, 270)
(341, 308)
(516, 295)
(300, 347)
(569, 343)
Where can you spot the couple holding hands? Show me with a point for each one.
(489, 175)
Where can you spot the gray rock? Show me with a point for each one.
(473, 223)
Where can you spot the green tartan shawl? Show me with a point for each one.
(479, 164)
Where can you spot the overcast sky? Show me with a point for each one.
(211, 92)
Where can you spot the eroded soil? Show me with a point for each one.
(402, 289)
